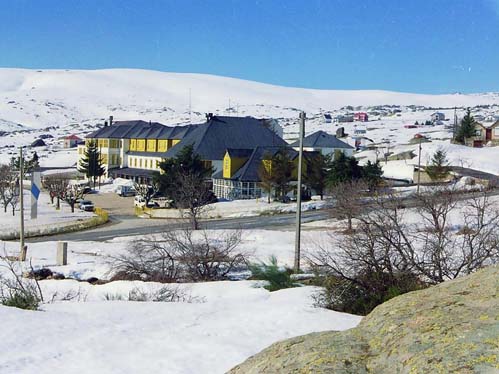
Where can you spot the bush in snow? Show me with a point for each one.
(388, 253)
(181, 256)
(15, 290)
(277, 277)
(165, 294)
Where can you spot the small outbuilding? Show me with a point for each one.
(71, 141)
(38, 143)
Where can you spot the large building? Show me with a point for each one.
(134, 149)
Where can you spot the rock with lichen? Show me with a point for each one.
(449, 328)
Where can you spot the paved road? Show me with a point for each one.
(129, 226)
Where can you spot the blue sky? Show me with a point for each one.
(430, 46)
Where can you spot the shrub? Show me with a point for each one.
(22, 300)
(362, 295)
(278, 278)
(181, 256)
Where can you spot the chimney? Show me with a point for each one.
(110, 120)
(105, 123)
(209, 116)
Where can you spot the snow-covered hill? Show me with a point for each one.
(43, 98)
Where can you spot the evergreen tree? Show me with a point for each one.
(282, 172)
(184, 181)
(439, 168)
(466, 129)
(317, 171)
(344, 169)
(91, 163)
(371, 174)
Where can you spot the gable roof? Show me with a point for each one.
(141, 130)
(211, 139)
(72, 137)
(249, 171)
(322, 139)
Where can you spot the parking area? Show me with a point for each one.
(113, 203)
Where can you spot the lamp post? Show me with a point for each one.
(298, 197)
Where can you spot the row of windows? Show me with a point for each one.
(141, 163)
(152, 145)
(105, 143)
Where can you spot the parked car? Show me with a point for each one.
(124, 191)
(87, 205)
(140, 202)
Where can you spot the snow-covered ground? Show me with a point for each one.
(47, 214)
(225, 322)
(61, 102)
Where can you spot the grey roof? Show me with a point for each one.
(211, 140)
(322, 139)
(237, 152)
(249, 171)
(141, 130)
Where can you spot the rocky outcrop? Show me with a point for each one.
(449, 328)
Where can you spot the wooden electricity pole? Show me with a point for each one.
(298, 195)
(24, 249)
(419, 165)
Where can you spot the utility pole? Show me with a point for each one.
(298, 195)
(419, 165)
(24, 249)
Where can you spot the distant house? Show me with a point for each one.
(361, 117)
(38, 143)
(484, 133)
(343, 118)
(359, 130)
(71, 141)
(325, 143)
(327, 118)
(490, 118)
(437, 116)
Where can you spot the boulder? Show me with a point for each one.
(449, 328)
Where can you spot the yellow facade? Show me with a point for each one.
(151, 145)
(232, 164)
(175, 141)
(133, 144)
(141, 145)
(162, 145)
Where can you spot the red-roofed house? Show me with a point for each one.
(361, 116)
(71, 141)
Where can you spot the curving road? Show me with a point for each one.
(130, 226)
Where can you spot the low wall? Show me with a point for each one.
(59, 228)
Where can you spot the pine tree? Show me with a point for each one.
(439, 168)
(371, 174)
(317, 171)
(91, 163)
(184, 181)
(466, 129)
(344, 169)
(282, 172)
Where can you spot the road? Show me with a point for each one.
(130, 226)
(126, 225)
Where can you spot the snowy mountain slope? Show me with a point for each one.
(42, 98)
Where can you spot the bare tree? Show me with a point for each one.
(348, 199)
(14, 192)
(181, 256)
(391, 252)
(8, 182)
(192, 199)
(146, 191)
(72, 194)
(56, 185)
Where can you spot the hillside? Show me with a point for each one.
(449, 328)
(42, 98)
